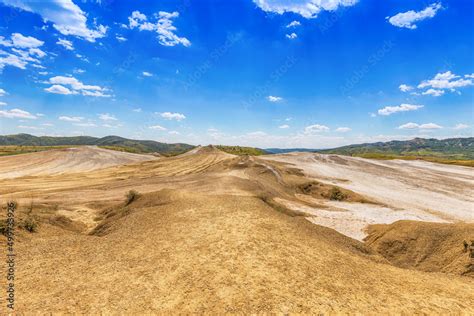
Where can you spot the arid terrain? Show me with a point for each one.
(208, 231)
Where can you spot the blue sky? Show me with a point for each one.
(267, 73)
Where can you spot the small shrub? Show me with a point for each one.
(336, 194)
(3, 227)
(131, 196)
(30, 225)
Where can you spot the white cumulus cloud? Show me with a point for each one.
(293, 24)
(433, 92)
(59, 89)
(272, 98)
(20, 41)
(409, 18)
(70, 85)
(147, 74)
(405, 88)
(291, 36)
(67, 18)
(445, 80)
(23, 50)
(311, 129)
(284, 126)
(306, 8)
(166, 31)
(172, 116)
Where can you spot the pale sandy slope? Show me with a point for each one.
(204, 237)
(414, 190)
(68, 160)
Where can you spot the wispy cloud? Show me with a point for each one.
(17, 113)
(461, 126)
(343, 129)
(65, 43)
(71, 118)
(426, 126)
(389, 110)
(157, 127)
(107, 117)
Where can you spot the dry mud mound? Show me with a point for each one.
(68, 160)
(432, 247)
(178, 251)
(207, 233)
(405, 190)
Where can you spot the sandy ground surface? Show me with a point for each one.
(414, 190)
(68, 160)
(212, 233)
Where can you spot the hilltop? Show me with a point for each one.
(240, 150)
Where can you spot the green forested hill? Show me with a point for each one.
(112, 142)
(452, 148)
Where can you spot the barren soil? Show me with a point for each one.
(413, 190)
(212, 233)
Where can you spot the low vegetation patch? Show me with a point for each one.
(239, 150)
(131, 196)
(336, 194)
(16, 150)
(30, 225)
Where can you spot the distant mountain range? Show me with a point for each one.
(451, 148)
(114, 142)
